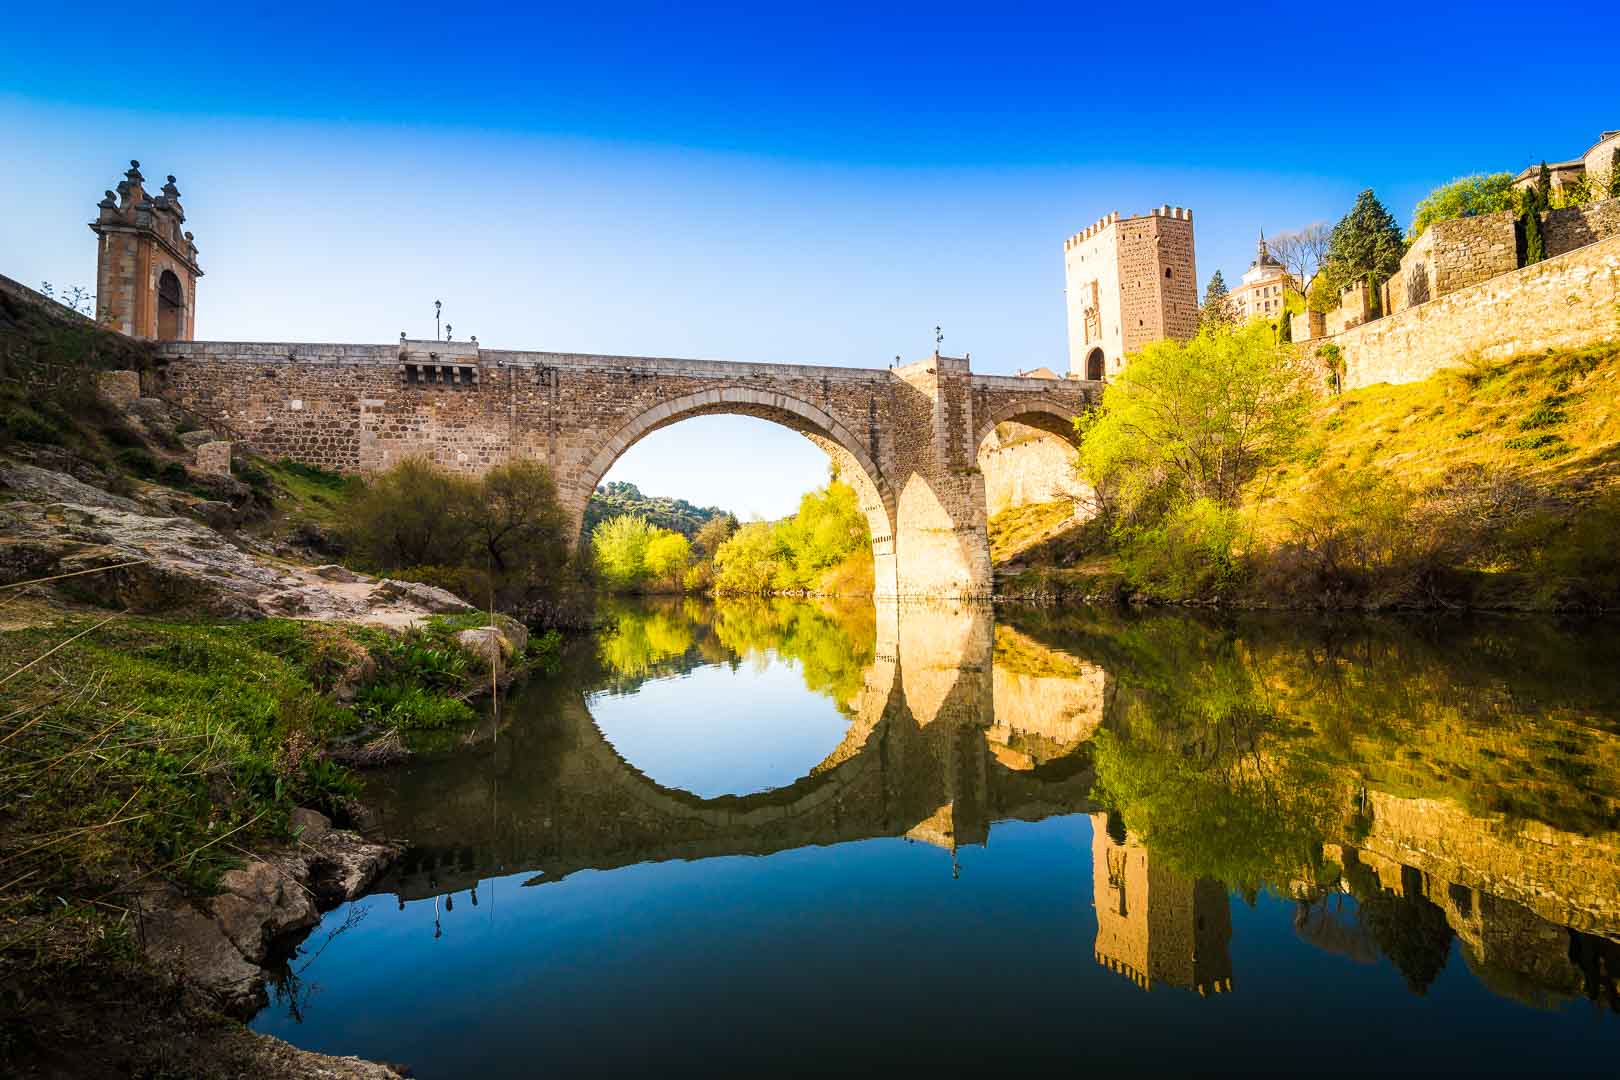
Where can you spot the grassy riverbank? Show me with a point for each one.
(140, 750)
(1491, 485)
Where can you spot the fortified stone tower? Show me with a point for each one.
(1153, 925)
(146, 266)
(1129, 281)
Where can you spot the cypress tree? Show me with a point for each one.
(1535, 247)
(1614, 174)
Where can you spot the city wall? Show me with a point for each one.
(1567, 301)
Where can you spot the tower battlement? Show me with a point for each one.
(1130, 281)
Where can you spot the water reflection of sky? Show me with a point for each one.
(721, 729)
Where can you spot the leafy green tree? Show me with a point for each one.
(414, 514)
(619, 546)
(1614, 174)
(716, 531)
(1366, 244)
(668, 554)
(1215, 311)
(1467, 196)
(517, 520)
(747, 562)
(828, 529)
(1186, 420)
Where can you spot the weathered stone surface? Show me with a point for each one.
(193, 439)
(192, 946)
(336, 572)
(158, 564)
(45, 485)
(258, 903)
(120, 389)
(218, 946)
(310, 825)
(427, 597)
(214, 458)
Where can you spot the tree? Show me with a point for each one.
(1467, 196)
(619, 545)
(1215, 310)
(1614, 174)
(667, 555)
(517, 520)
(1301, 253)
(1188, 420)
(747, 562)
(1535, 245)
(714, 532)
(829, 528)
(414, 514)
(1366, 243)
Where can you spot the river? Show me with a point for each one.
(802, 837)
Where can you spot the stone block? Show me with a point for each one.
(120, 389)
(214, 458)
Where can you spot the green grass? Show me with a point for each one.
(145, 744)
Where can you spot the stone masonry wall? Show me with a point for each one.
(1576, 226)
(1036, 468)
(1565, 302)
(1466, 251)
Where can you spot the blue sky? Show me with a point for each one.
(815, 186)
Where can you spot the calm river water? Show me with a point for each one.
(793, 837)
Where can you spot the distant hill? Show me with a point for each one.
(616, 498)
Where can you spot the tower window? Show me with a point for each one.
(1167, 272)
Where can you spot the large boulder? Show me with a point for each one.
(219, 946)
(427, 597)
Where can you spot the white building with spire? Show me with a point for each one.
(1262, 292)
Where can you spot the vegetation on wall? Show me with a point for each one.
(1466, 196)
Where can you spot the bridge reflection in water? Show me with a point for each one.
(957, 722)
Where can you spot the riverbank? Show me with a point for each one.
(1489, 486)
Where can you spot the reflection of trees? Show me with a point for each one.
(1410, 928)
(833, 645)
(1518, 717)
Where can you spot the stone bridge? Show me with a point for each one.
(907, 438)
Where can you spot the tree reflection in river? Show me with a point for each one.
(1410, 789)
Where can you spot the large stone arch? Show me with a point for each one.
(856, 466)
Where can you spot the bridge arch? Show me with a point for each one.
(840, 444)
(1049, 415)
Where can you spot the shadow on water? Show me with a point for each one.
(1400, 791)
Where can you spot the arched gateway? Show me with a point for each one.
(907, 438)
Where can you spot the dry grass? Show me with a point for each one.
(1552, 419)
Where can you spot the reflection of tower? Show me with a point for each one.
(1153, 925)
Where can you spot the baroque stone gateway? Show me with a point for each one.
(907, 438)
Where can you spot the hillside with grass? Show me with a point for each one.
(619, 499)
(1490, 484)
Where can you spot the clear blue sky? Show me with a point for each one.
(686, 180)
